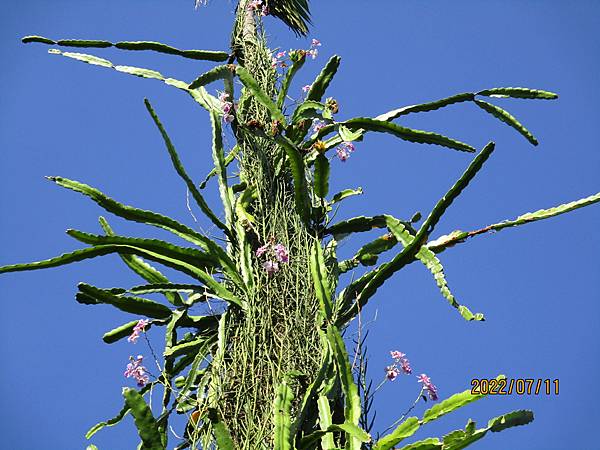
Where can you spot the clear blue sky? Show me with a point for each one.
(537, 285)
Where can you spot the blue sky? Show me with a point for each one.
(537, 285)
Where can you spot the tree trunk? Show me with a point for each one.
(277, 338)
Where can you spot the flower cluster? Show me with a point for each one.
(227, 107)
(400, 358)
(402, 365)
(392, 372)
(276, 253)
(137, 371)
(428, 386)
(258, 5)
(279, 59)
(343, 150)
(139, 328)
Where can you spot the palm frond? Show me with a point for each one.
(294, 13)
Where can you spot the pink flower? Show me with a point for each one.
(254, 5)
(139, 328)
(349, 146)
(342, 154)
(281, 253)
(262, 250)
(397, 355)
(401, 359)
(276, 60)
(391, 372)
(137, 371)
(428, 386)
(306, 88)
(423, 379)
(271, 267)
(223, 97)
(313, 51)
(343, 150)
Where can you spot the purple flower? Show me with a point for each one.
(264, 11)
(391, 372)
(271, 267)
(428, 386)
(315, 43)
(281, 253)
(306, 88)
(432, 392)
(139, 328)
(137, 371)
(226, 107)
(280, 54)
